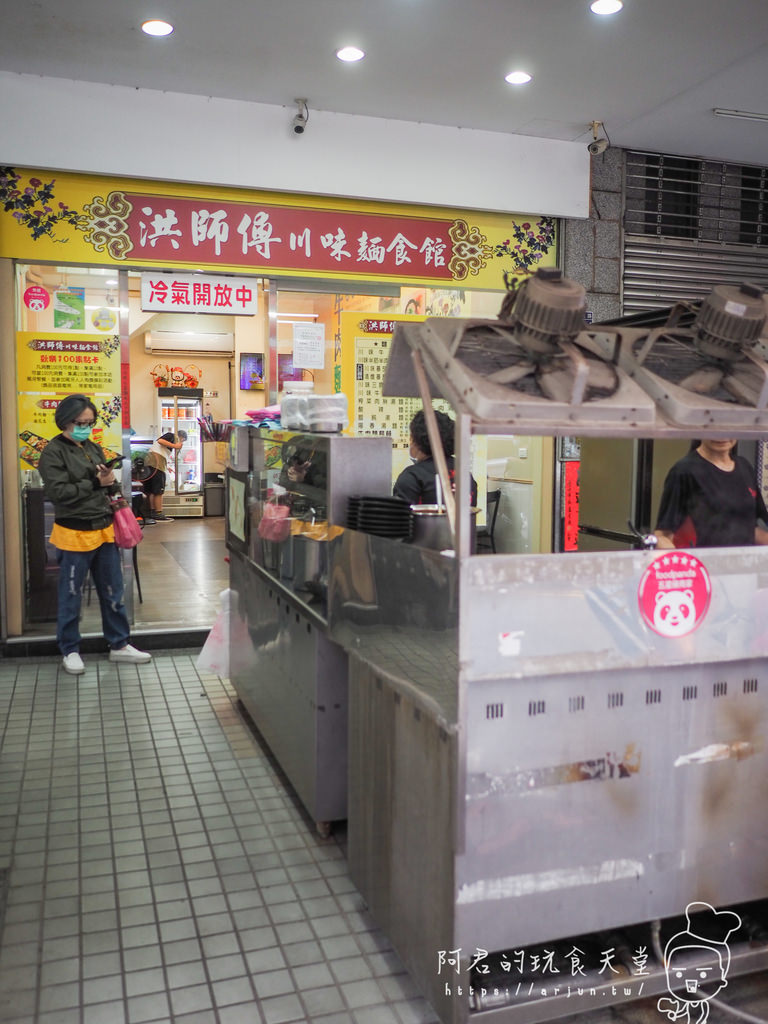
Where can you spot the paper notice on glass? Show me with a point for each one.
(309, 346)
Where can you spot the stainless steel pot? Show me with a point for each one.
(430, 527)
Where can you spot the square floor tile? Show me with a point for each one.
(222, 967)
(187, 1000)
(183, 928)
(181, 951)
(59, 972)
(264, 960)
(144, 982)
(142, 958)
(353, 968)
(186, 975)
(232, 990)
(282, 1008)
(149, 1007)
(104, 1013)
(322, 1001)
(99, 990)
(57, 997)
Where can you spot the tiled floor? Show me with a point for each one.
(159, 868)
(161, 871)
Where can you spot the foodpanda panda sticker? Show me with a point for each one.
(36, 298)
(674, 594)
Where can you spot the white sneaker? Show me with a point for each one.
(129, 655)
(73, 664)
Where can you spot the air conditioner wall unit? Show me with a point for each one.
(194, 343)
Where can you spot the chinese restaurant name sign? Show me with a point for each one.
(77, 217)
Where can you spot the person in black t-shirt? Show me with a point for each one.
(416, 483)
(710, 499)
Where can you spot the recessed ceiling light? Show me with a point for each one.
(157, 28)
(350, 54)
(606, 6)
(517, 77)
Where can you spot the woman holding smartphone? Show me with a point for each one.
(77, 480)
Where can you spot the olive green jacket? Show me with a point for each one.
(71, 482)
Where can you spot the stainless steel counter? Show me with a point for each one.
(290, 675)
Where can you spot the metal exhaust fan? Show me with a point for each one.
(534, 368)
(709, 374)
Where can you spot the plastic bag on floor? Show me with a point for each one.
(214, 656)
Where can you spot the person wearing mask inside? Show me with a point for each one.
(78, 482)
(154, 486)
(416, 483)
(710, 499)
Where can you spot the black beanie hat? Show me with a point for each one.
(70, 408)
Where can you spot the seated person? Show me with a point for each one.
(416, 483)
(710, 499)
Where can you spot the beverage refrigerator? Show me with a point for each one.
(179, 410)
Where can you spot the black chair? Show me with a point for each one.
(485, 533)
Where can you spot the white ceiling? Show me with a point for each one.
(652, 73)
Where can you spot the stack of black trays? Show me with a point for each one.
(383, 517)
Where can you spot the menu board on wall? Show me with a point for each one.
(50, 366)
(365, 350)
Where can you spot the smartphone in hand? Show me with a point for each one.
(114, 463)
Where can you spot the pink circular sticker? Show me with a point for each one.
(36, 298)
(674, 594)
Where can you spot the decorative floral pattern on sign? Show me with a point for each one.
(103, 222)
(530, 243)
(470, 250)
(110, 410)
(107, 225)
(33, 205)
(110, 345)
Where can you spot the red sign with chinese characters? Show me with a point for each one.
(674, 594)
(571, 505)
(243, 234)
(377, 326)
(195, 293)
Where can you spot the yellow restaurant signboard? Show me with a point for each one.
(56, 217)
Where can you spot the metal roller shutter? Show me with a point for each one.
(689, 225)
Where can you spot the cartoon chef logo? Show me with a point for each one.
(696, 961)
(674, 594)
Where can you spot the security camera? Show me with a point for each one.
(597, 147)
(299, 123)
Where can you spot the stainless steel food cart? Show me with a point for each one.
(535, 768)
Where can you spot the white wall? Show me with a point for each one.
(65, 125)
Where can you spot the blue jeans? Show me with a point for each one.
(107, 573)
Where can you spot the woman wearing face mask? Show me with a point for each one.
(78, 483)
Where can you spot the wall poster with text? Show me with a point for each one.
(50, 366)
(365, 350)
